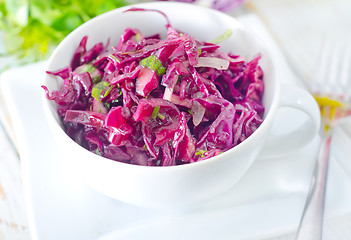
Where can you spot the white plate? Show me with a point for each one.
(268, 201)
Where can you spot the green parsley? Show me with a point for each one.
(154, 63)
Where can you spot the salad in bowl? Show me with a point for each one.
(158, 101)
(161, 103)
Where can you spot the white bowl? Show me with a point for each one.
(175, 185)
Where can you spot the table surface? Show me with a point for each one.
(298, 27)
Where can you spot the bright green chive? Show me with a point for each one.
(154, 63)
(188, 87)
(155, 112)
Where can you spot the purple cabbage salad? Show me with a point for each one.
(158, 102)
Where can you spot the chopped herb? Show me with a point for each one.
(161, 116)
(222, 37)
(98, 152)
(107, 92)
(137, 37)
(188, 87)
(93, 71)
(98, 88)
(107, 105)
(154, 63)
(87, 68)
(126, 53)
(155, 112)
(200, 152)
(115, 101)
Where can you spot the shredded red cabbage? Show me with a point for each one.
(159, 102)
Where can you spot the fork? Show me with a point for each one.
(332, 91)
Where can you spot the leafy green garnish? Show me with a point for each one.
(98, 88)
(87, 68)
(200, 152)
(33, 28)
(137, 37)
(154, 63)
(95, 74)
(222, 37)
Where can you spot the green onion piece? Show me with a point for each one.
(161, 116)
(154, 63)
(98, 152)
(107, 105)
(115, 101)
(108, 90)
(137, 37)
(87, 68)
(96, 78)
(222, 37)
(93, 71)
(98, 88)
(200, 152)
(155, 112)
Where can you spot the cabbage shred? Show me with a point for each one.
(159, 102)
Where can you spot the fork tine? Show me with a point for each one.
(322, 82)
(333, 75)
(317, 81)
(345, 76)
